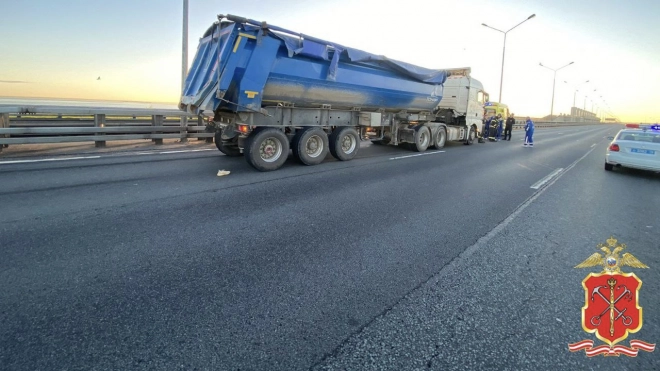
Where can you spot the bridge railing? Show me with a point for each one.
(29, 124)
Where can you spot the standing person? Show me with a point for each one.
(499, 127)
(509, 126)
(529, 133)
(484, 128)
(492, 122)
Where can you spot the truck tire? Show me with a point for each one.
(344, 143)
(310, 146)
(228, 146)
(267, 149)
(440, 138)
(470, 136)
(422, 139)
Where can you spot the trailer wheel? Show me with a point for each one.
(310, 146)
(470, 136)
(228, 146)
(267, 149)
(440, 138)
(422, 139)
(344, 143)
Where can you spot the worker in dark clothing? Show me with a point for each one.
(509, 126)
(484, 129)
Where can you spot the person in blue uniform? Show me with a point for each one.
(499, 127)
(529, 133)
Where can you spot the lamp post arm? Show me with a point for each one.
(530, 17)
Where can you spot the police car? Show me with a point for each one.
(636, 146)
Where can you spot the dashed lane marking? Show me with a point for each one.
(546, 179)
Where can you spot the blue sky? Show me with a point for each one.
(58, 49)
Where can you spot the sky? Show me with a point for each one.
(59, 49)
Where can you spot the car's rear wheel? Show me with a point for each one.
(609, 167)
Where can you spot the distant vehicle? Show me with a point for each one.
(496, 108)
(636, 146)
(267, 90)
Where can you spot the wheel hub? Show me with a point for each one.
(270, 150)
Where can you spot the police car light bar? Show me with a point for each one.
(644, 127)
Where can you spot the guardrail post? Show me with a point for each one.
(184, 130)
(157, 120)
(99, 122)
(200, 122)
(4, 123)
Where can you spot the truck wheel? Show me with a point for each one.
(422, 139)
(440, 138)
(228, 146)
(470, 136)
(267, 149)
(310, 146)
(344, 143)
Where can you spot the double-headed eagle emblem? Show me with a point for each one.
(611, 261)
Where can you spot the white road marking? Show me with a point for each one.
(110, 155)
(419, 154)
(484, 242)
(47, 159)
(546, 179)
(593, 145)
(187, 150)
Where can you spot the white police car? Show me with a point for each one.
(636, 146)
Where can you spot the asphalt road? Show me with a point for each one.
(449, 260)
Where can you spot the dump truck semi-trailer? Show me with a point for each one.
(266, 90)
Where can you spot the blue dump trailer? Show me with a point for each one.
(266, 90)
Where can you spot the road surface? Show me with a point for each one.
(454, 259)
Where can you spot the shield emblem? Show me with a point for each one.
(611, 309)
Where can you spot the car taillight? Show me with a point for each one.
(614, 147)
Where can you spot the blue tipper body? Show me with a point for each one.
(244, 65)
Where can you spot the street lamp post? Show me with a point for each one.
(554, 79)
(184, 46)
(576, 90)
(504, 48)
(183, 120)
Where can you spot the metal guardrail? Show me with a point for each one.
(47, 124)
(29, 124)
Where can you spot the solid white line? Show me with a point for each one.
(483, 242)
(593, 145)
(546, 179)
(419, 154)
(187, 150)
(47, 159)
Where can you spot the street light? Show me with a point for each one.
(552, 105)
(184, 45)
(576, 90)
(504, 48)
